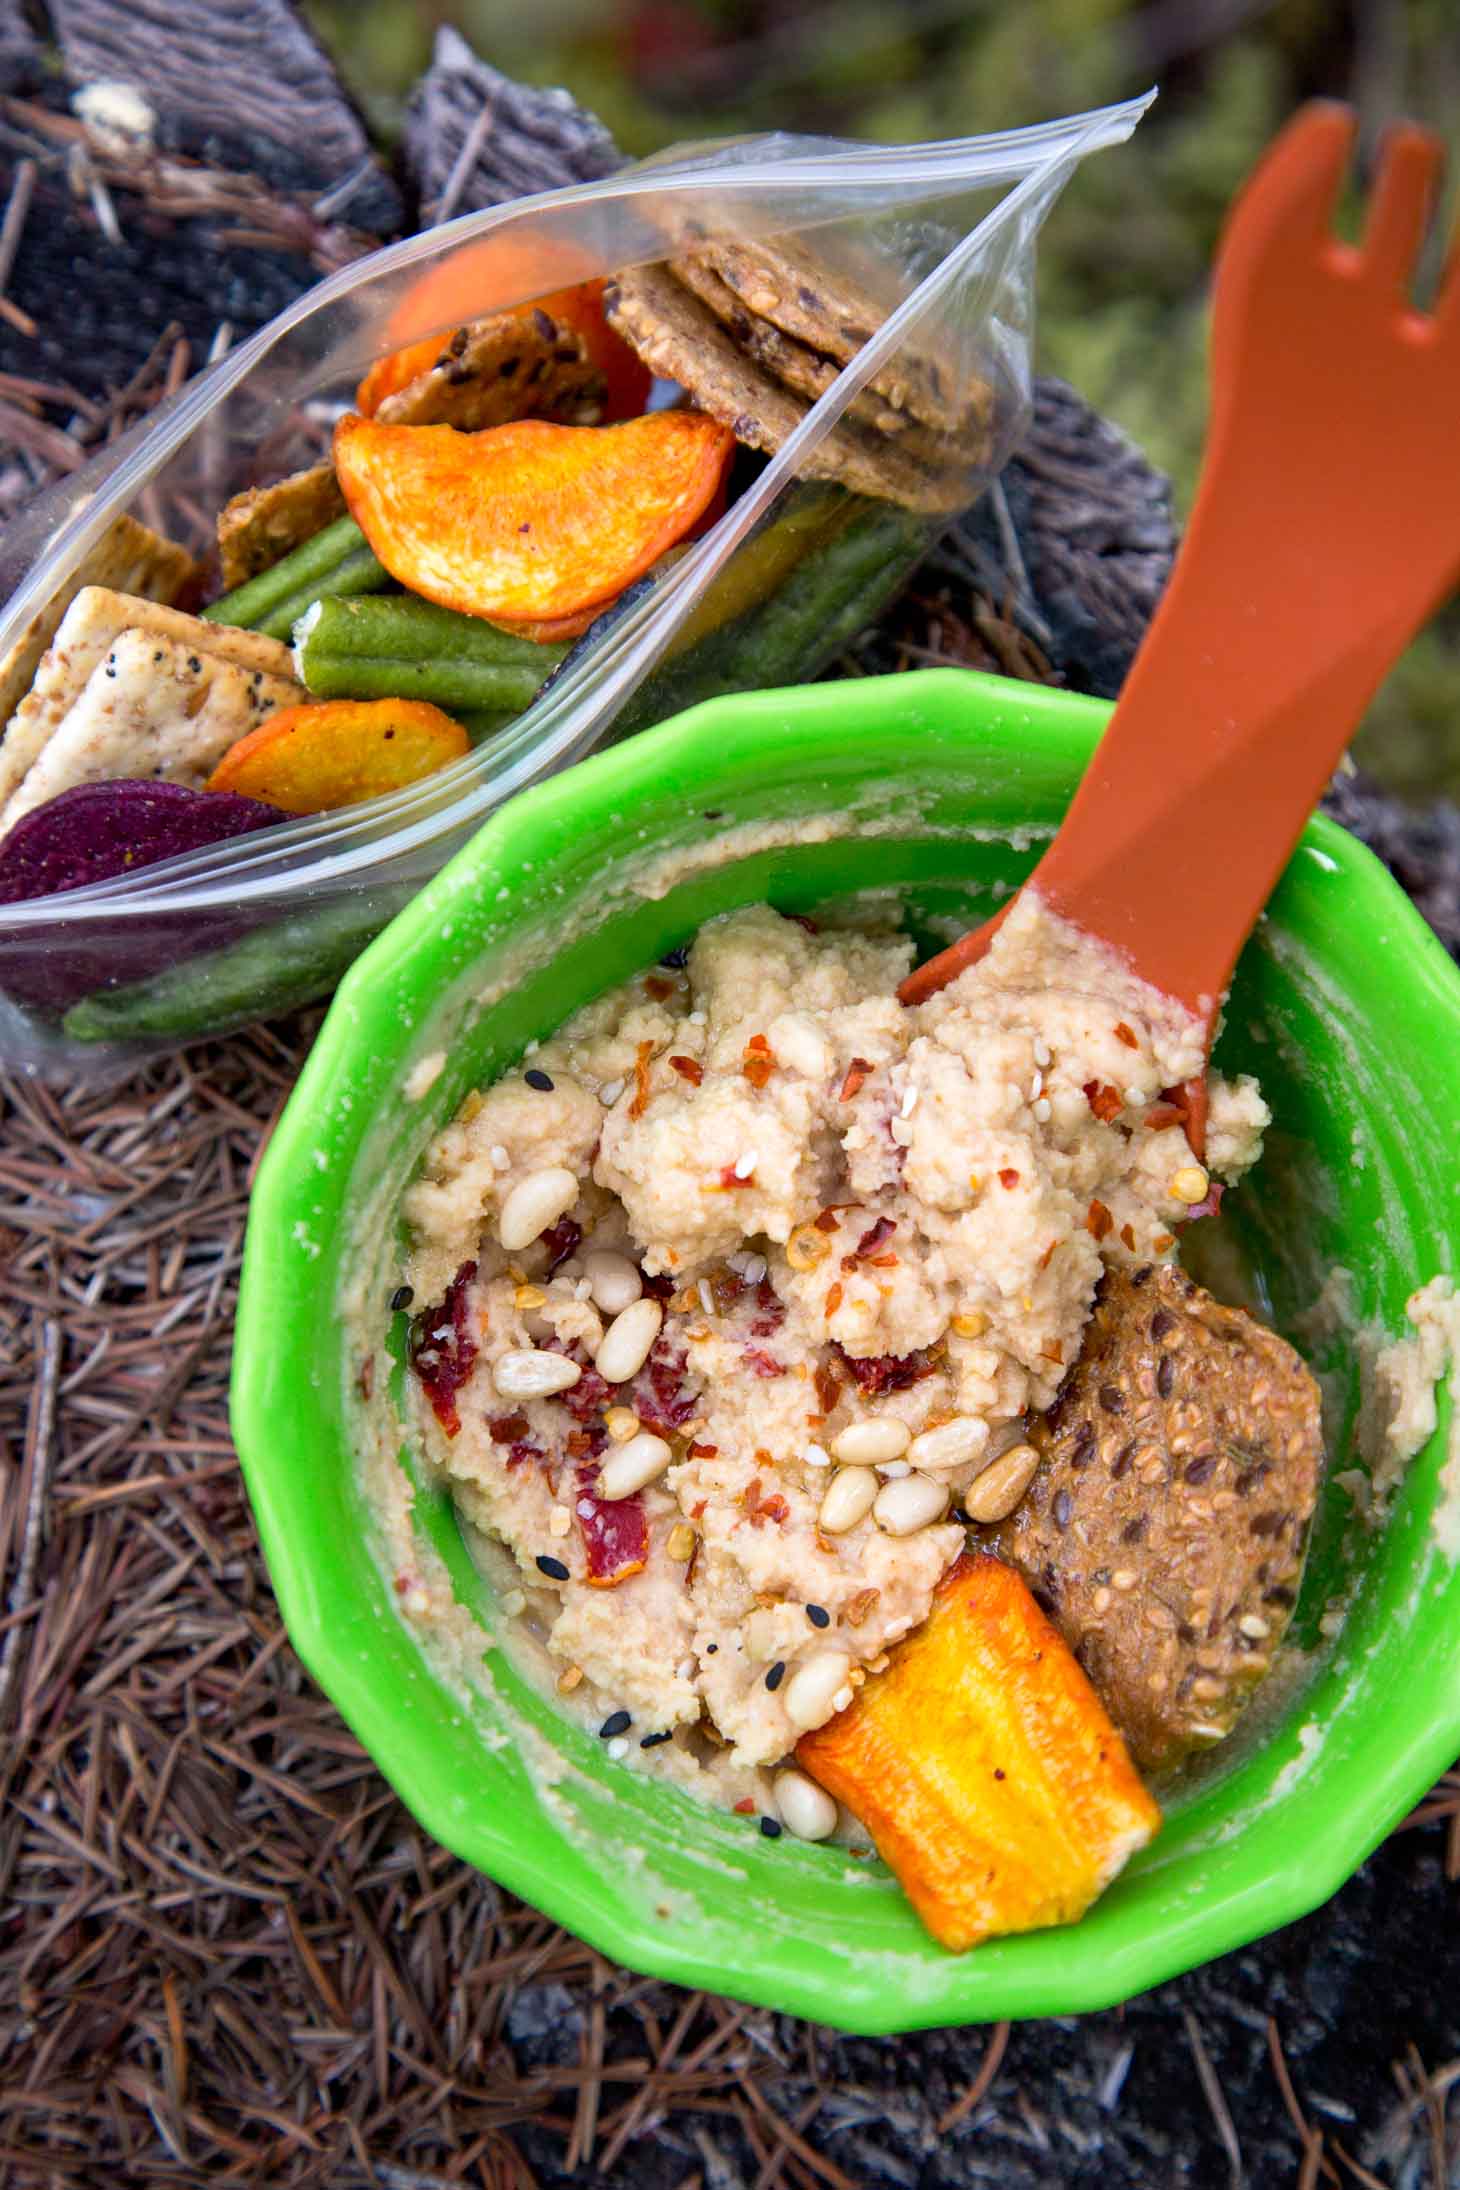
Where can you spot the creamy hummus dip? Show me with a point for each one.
(740, 1293)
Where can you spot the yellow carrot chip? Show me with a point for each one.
(311, 759)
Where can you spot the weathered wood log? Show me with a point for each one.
(475, 138)
(244, 87)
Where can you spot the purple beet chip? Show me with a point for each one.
(97, 831)
(94, 833)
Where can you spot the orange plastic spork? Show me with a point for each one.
(1326, 531)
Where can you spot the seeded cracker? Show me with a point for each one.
(680, 339)
(90, 627)
(152, 708)
(1165, 1530)
(128, 556)
(819, 304)
(264, 524)
(512, 365)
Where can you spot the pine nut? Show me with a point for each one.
(902, 1508)
(641, 1461)
(533, 1204)
(526, 1372)
(995, 1493)
(810, 1692)
(627, 1341)
(863, 1444)
(950, 1444)
(806, 1809)
(848, 1500)
(614, 1282)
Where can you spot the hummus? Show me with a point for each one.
(740, 1287)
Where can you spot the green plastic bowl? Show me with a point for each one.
(941, 786)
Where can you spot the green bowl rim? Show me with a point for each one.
(1413, 1758)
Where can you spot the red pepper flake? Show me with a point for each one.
(826, 1380)
(730, 1178)
(366, 1379)
(1106, 1101)
(745, 1807)
(882, 1262)
(827, 1221)
(443, 1348)
(1098, 1220)
(762, 1363)
(759, 1043)
(1129, 1237)
(697, 1513)
(802, 921)
(1052, 1353)
(697, 1451)
(857, 1072)
(757, 1069)
(1124, 1034)
(1044, 1260)
(758, 1510)
(1161, 1115)
(656, 986)
(833, 1300)
(875, 1234)
(640, 1102)
(507, 1428)
(1008, 1178)
(849, 1263)
(687, 1069)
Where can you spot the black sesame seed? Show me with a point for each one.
(652, 1741)
(401, 1298)
(1165, 1376)
(617, 1722)
(710, 1649)
(771, 1827)
(538, 1079)
(1064, 1506)
(553, 1568)
(818, 1615)
(1112, 1399)
(676, 958)
(776, 1675)
(998, 1771)
(1162, 1322)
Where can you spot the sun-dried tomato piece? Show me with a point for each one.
(688, 1069)
(874, 1236)
(857, 1072)
(764, 1364)
(1098, 1220)
(873, 1373)
(614, 1530)
(828, 1386)
(664, 1395)
(770, 1310)
(443, 1348)
(561, 1241)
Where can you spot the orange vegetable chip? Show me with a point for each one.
(528, 522)
(984, 1766)
(310, 759)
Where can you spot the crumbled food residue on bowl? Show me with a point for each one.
(1407, 1375)
(424, 1074)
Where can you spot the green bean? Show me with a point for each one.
(303, 575)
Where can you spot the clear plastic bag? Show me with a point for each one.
(941, 234)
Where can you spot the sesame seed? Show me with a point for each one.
(771, 1827)
(818, 1615)
(501, 1161)
(1043, 1110)
(1036, 1087)
(909, 1102)
(617, 1722)
(536, 1077)
(686, 1668)
(745, 1165)
(513, 1603)
(1137, 1097)
(401, 1298)
(618, 1749)
(652, 1741)
(776, 1675)
(553, 1568)
(1041, 1053)
(707, 1298)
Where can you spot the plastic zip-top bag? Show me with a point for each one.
(854, 320)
